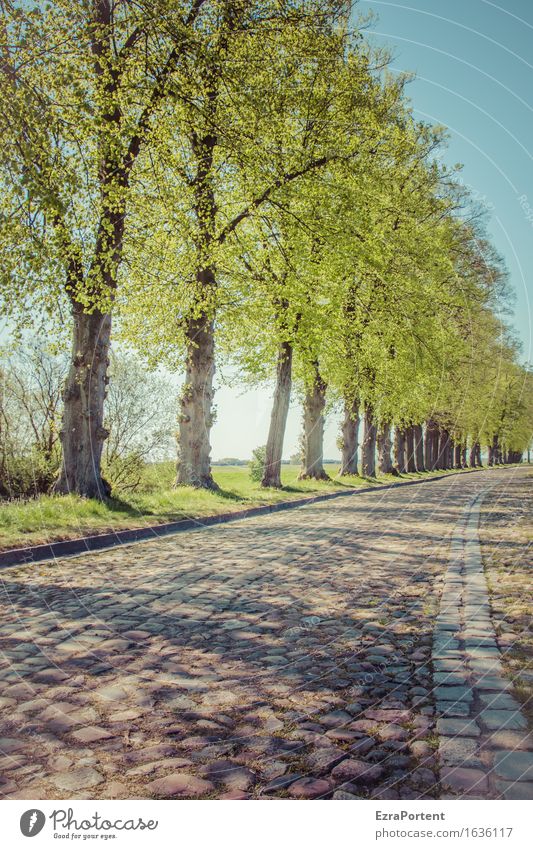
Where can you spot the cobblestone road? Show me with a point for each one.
(289, 655)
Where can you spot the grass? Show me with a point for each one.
(51, 518)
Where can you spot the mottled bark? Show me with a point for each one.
(196, 401)
(369, 444)
(451, 453)
(410, 449)
(399, 450)
(458, 453)
(443, 450)
(350, 438)
(494, 451)
(419, 447)
(83, 433)
(314, 404)
(278, 417)
(196, 406)
(464, 461)
(431, 446)
(384, 449)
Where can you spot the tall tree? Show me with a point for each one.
(82, 83)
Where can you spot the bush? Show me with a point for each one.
(257, 463)
(31, 381)
(124, 473)
(27, 475)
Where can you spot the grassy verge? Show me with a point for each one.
(51, 518)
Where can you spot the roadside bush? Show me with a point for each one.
(124, 473)
(141, 414)
(27, 475)
(257, 463)
(31, 380)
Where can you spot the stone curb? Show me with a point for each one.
(98, 542)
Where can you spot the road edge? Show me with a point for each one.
(100, 542)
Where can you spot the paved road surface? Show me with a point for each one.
(301, 654)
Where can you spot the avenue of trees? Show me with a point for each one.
(243, 181)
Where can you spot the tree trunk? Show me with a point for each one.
(399, 450)
(384, 450)
(410, 449)
(442, 461)
(315, 401)
(437, 464)
(83, 433)
(369, 444)
(196, 405)
(496, 449)
(494, 452)
(431, 446)
(419, 447)
(278, 417)
(196, 401)
(451, 453)
(464, 463)
(350, 438)
(427, 446)
(478, 454)
(458, 456)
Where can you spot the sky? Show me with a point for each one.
(473, 76)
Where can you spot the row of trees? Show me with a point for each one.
(247, 173)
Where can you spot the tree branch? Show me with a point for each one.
(158, 92)
(284, 180)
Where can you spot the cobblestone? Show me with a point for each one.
(300, 654)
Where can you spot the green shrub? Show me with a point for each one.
(257, 463)
(125, 473)
(27, 475)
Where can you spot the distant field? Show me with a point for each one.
(51, 518)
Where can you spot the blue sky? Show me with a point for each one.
(474, 77)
